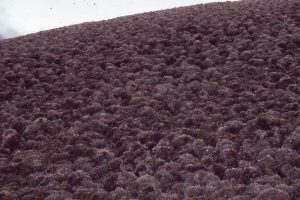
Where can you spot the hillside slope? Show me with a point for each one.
(198, 102)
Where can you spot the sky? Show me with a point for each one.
(20, 17)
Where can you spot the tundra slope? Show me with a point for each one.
(198, 102)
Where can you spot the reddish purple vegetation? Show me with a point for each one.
(198, 102)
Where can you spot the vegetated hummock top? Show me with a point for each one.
(198, 102)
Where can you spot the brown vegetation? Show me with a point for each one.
(198, 102)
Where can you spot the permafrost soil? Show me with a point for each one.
(192, 103)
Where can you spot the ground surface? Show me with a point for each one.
(198, 102)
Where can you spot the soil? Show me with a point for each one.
(198, 102)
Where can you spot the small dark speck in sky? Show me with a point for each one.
(50, 8)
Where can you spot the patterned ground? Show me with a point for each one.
(192, 103)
